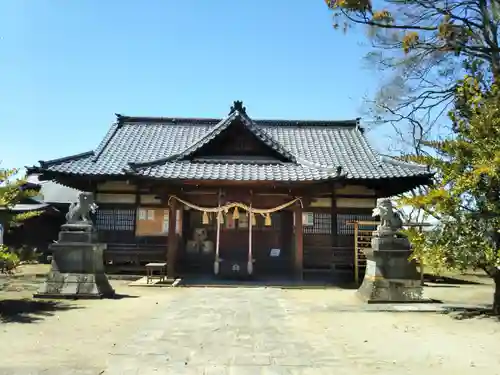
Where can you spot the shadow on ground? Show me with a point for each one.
(472, 313)
(30, 311)
(445, 280)
(282, 283)
(123, 296)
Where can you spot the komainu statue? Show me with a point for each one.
(390, 222)
(79, 211)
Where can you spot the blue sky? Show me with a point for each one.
(67, 66)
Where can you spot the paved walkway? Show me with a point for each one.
(243, 331)
(222, 331)
(255, 331)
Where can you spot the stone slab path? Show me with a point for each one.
(225, 331)
(274, 331)
(220, 331)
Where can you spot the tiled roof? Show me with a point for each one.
(224, 124)
(158, 147)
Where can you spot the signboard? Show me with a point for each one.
(229, 221)
(243, 221)
(151, 214)
(165, 221)
(308, 219)
(275, 253)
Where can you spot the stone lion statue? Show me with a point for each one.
(79, 211)
(389, 219)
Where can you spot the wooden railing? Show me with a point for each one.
(132, 257)
(317, 258)
(363, 231)
(362, 239)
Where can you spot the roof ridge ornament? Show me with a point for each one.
(238, 106)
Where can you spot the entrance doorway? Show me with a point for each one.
(271, 244)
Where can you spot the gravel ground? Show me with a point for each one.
(241, 331)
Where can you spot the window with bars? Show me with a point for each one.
(115, 219)
(345, 229)
(322, 224)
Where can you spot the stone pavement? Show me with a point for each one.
(243, 331)
(223, 331)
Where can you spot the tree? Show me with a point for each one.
(443, 57)
(466, 194)
(422, 45)
(12, 192)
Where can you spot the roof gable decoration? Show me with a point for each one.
(238, 107)
(237, 113)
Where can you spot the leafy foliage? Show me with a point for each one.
(421, 46)
(12, 192)
(466, 193)
(8, 260)
(443, 56)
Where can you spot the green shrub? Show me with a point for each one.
(8, 260)
(26, 254)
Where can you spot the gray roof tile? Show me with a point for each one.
(155, 147)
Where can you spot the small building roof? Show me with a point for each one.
(53, 193)
(158, 148)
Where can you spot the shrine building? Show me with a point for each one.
(233, 196)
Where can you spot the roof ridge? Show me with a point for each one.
(307, 163)
(388, 159)
(269, 138)
(140, 120)
(219, 128)
(113, 130)
(249, 124)
(162, 119)
(46, 163)
(367, 145)
(393, 160)
(138, 165)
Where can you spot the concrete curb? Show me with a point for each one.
(409, 308)
(21, 276)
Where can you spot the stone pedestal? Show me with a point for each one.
(77, 269)
(390, 276)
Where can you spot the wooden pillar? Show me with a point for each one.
(299, 242)
(333, 212)
(180, 219)
(356, 253)
(172, 239)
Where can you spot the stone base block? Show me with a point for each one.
(75, 286)
(380, 290)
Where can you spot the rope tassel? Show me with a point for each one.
(221, 217)
(254, 220)
(267, 221)
(236, 213)
(205, 220)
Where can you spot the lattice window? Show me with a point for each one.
(345, 229)
(115, 219)
(322, 224)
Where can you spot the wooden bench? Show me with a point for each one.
(150, 271)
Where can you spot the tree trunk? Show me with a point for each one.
(496, 296)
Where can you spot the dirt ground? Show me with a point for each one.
(82, 334)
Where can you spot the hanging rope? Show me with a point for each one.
(225, 208)
(250, 250)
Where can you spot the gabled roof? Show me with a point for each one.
(157, 147)
(237, 115)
